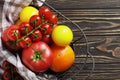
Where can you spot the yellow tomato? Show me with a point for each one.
(27, 12)
(62, 35)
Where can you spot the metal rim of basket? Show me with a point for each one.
(87, 46)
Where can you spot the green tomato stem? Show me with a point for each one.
(36, 28)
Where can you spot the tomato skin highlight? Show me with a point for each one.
(38, 57)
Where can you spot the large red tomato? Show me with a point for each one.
(38, 57)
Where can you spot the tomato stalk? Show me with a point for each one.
(38, 55)
(36, 28)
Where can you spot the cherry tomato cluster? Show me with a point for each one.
(10, 72)
(38, 28)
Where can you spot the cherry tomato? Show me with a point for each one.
(35, 21)
(26, 42)
(44, 12)
(6, 65)
(47, 39)
(25, 28)
(53, 19)
(46, 28)
(36, 35)
(38, 57)
(7, 75)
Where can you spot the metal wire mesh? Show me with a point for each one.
(80, 47)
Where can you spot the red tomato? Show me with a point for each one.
(36, 35)
(9, 37)
(25, 28)
(6, 65)
(26, 42)
(13, 33)
(47, 39)
(7, 75)
(35, 21)
(53, 19)
(38, 57)
(46, 28)
(44, 12)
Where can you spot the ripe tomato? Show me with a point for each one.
(62, 35)
(36, 35)
(47, 39)
(44, 12)
(63, 58)
(46, 28)
(9, 37)
(38, 57)
(35, 21)
(6, 65)
(25, 28)
(53, 19)
(7, 75)
(27, 12)
(13, 33)
(26, 42)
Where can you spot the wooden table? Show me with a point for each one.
(100, 20)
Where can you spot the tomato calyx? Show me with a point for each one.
(38, 55)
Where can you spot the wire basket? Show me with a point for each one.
(80, 47)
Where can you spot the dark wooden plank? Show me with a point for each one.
(84, 4)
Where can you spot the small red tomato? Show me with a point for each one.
(35, 21)
(46, 29)
(7, 75)
(26, 42)
(38, 57)
(47, 39)
(25, 28)
(13, 33)
(44, 12)
(6, 65)
(36, 35)
(53, 19)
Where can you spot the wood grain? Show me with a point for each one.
(100, 20)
